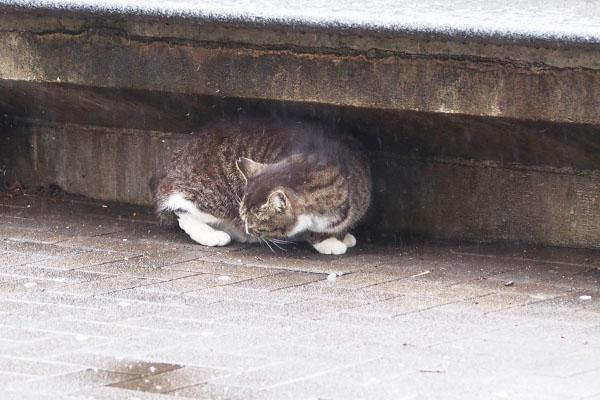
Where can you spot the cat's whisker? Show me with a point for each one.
(281, 241)
(276, 245)
(267, 243)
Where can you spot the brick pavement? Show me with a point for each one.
(99, 301)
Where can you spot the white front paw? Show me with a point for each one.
(330, 246)
(349, 240)
(215, 238)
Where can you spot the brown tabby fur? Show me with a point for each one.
(258, 175)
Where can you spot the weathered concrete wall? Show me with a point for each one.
(471, 138)
(451, 198)
(448, 198)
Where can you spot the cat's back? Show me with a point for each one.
(260, 139)
(204, 170)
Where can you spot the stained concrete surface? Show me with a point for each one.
(99, 301)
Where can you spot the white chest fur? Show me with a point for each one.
(315, 223)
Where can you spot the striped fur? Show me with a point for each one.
(259, 178)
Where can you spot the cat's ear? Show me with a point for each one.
(248, 168)
(278, 200)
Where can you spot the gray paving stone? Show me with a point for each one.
(9, 259)
(22, 334)
(223, 392)
(581, 257)
(171, 380)
(116, 393)
(83, 260)
(137, 269)
(10, 395)
(45, 348)
(102, 286)
(189, 283)
(35, 367)
(332, 291)
(276, 374)
(419, 320)
(229, 292)
(298, 258)
(15, 285)
(337, 354)
(211, 357)
(159, 298)
(280, 281)
(36, 248)
(58, 276)
(71, 382)
(216, 268)
(47, 229)
(139, 368)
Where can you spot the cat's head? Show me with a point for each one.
(267, 207)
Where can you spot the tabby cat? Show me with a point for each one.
(257, 179)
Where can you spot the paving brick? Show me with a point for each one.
(115, 393)
(70, 382)
(159, 298)
(57, 276)
(332, 355)
(72, 226)
(210, 357)
(366, 278)
(189, 283)
(223, 392)
(216, 268)
(101, 286)
(280, 281)
(45, 348)
(299, 258)
(7, 378)
(581, 257)
(139, 368)
(35, 367)
(36, 248)
(552, 274)
(22, 334)
(137, 269)
(83, 260)
(332, 291)
(276, 374)
(115, 244)
(229, 292)
(171, 380)
(10, 259)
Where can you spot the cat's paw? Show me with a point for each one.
(201, 233)
(215, 238)
(330, 246)
(349, 240)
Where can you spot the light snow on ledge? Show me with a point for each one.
(573, 20)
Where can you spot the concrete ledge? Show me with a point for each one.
(536, 78)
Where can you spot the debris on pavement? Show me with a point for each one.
(420, 274)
